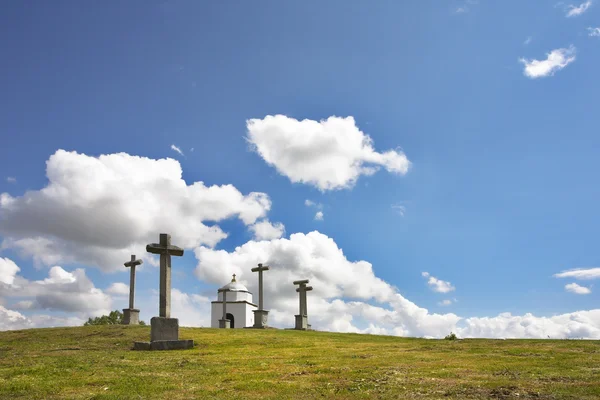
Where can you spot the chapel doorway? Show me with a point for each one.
(231, 321)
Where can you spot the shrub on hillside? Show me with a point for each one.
(114, 318)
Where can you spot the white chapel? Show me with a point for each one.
(238, 306)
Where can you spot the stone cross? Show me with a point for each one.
(166, 250)
(224, 322)
(302, 317)
(132, 264)
(260, 315)
(260, 270)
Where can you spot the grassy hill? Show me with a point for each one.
(96, 362)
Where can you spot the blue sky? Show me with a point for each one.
(500, 195)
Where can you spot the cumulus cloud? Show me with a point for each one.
(574, 11)
(594, 32)
(580, 273)
(118, 289)
(330, 154)
(265, 230)
(438, 285)
(177, 149)
(14, 320)
(191, 309)
(8, 271)
(348, 297)
(319, 216)
(555, 61)
(60, 291)
(99, 210)
(577, 289)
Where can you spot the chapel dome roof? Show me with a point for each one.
(234, 286)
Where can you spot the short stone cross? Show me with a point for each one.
(224, 322)
(166, 250)
(302, 317)
(260, 315)
(131, 316)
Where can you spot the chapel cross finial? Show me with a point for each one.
(233, 279)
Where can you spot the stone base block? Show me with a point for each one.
(224, 323)
(164, 345)
(260, 319)
(164, 329)
(301, 322)
(131, 316)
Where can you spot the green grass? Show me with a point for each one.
(96, 362)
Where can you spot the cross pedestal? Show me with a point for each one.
(131, 316)
(224, 324)
(260, 319)
(301, 322)
(164, 330)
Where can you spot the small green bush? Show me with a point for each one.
(451, 336)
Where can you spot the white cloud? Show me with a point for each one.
(11, 179)
(438, 285)
(574, 11)
(265, 230)
(399, 209)
(118, 289)
(447, 302)
(177, 149)
(555, 61)
(309, 203)
(330, 154)
(319, 216)
(190, 309)
(8, 271)
(100, 210)
(577, 289)
(580, 273)
(594, 32)
(348, 297)
(14, 320)
(528, 40)
(61, 291)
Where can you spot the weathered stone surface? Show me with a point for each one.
(164, 345)
(172, 344)
(141, 345)
(166, 250)
(260, 319)
(131, 316)
(301, 322)
(224, 323)
(164, 329)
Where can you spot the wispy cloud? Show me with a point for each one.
(447, 302)
(11, 179)
(319, 216)
(574, 11)
(555, 61)
(580, 273)
(438, 285)
(577, 289)
(594, 32)
(528, 40)
(466, 6)
(400, 209)
(177, 149)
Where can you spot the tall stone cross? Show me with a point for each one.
(260, 315)
(302, 317)
(132, 264)
(131, 316)
(166, 250)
